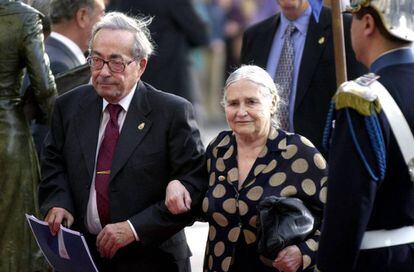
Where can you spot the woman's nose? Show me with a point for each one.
(242, 111)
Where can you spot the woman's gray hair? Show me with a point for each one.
(263, 80)
(142, 47)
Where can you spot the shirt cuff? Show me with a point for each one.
(133, 231)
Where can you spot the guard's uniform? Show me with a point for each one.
(358, 199)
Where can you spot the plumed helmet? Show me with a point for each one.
(396, 15)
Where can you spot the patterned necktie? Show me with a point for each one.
(284, 75)
(104, 163)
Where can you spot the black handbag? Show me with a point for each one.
(282, 221)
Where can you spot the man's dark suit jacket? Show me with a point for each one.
(65, 67)
(317, 80)
(61, 58)
(175, 29)
(159, 142)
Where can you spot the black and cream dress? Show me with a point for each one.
(289, 165)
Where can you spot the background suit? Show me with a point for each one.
(61, 57)
(159, 141)
(175, 29)
(316, 81)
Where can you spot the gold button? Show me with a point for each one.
(141, 126)
(221, 178)
(321, 40)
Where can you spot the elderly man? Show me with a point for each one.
(112, 149)
(369, 215)
(71, 23)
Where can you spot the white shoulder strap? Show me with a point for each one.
(398, 123)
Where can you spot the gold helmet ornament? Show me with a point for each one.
(396, 15)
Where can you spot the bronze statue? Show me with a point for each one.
(21, 46)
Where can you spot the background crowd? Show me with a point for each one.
(211, 54)
(209, 58)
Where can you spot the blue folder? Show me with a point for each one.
(65, 252)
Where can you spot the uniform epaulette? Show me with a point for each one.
(358, 95)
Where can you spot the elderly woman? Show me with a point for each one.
(255, 160)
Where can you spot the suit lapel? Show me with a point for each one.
(87, 126)
(266, 37)
(316, 39)
(135, 127)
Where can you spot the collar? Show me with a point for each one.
(124, 102)
(393, 57)
(301, 23)
(71, 45)
(276, 140)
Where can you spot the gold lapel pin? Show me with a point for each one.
(141, 126)
(321, 40)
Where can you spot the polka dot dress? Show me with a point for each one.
(289, 165)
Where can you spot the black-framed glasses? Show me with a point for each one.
(116, 66)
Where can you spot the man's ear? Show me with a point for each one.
(369, 24)
(142, 65)
(82, 17)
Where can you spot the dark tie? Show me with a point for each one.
(284, 75)
(104, 163)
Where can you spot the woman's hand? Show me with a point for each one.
(177, 198)
(288, 260)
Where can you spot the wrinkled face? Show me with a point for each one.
(292, 9)
(248, 111)
(115, 45)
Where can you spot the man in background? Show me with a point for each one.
(307, 88)
(71, 23)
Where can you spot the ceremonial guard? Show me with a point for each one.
(369, 215)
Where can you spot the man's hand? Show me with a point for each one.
(55, 216)
(288, 260)
(177, 198)
(114, 237)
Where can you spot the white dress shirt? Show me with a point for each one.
(92, 216)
